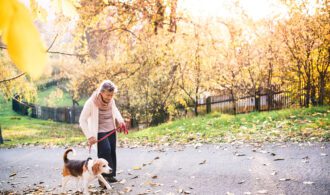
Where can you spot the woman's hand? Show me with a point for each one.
(92, 140)
(123, 128)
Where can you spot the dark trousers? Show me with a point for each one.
(107, 149)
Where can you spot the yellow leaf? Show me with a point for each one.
(136, 168)
(38, 11)
(24, 43)
(6, 12)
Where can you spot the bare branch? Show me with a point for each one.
(67, 54)
(15, 77)
(56, 52)
(51, 45)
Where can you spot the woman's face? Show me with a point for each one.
(106, 96)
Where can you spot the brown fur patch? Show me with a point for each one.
(96, 167)
(65, 171)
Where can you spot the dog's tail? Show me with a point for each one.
(65, 156)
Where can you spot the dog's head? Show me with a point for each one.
(99, 166)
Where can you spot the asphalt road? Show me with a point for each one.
(208, 169)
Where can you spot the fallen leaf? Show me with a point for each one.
(155, 184)
(136, 168)
(262, 192)
(127, 189)
(12, 175)
(204, 161)
(154, 177)
(123, 181)
(120, 171)
(308, 182)
(305, 159)
(135, 177)
(156, 158)
(277, 159)
(182, 191)
(198, 145)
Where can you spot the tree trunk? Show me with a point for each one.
(307, 95)
(196, 107)
(269, 87)
(308, 92)
(313, 95)
(234, 101)
(322, 85)
(196, 101)
(173, 25)
(257, 100)
(159, 16)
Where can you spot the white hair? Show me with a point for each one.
(99, 90)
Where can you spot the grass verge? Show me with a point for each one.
(303, 124)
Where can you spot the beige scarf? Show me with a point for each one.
(98, 101)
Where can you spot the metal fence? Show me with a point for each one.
(262, 102)
(60, 114)
(221, 103)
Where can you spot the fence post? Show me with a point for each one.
(1, 139)
(208, 104)
(257, 102)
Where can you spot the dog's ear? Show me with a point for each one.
(96, 167)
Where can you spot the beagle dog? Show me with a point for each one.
(85, 171)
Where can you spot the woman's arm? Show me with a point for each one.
(84, 115)
(117, 114)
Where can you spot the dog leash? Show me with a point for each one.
(103, 138)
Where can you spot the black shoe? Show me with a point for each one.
(111, 179)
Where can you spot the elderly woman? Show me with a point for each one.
(97, 119)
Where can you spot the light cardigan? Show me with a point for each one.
(89, 117)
